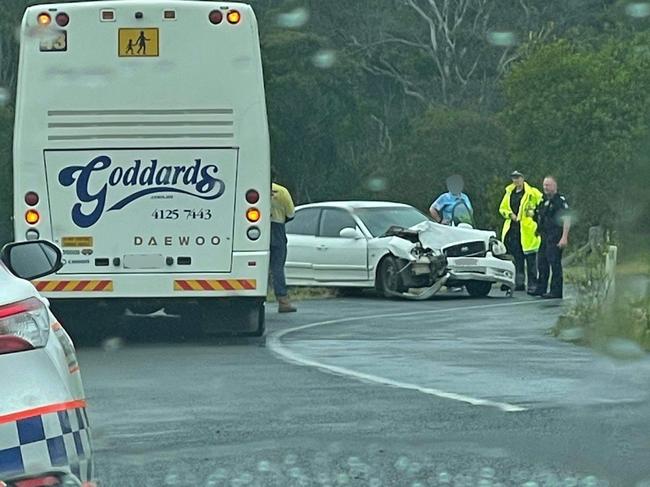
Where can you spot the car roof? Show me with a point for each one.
(353, 205)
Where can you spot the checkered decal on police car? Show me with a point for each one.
(38, 443)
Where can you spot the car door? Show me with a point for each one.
(339, 259)
(301, 246)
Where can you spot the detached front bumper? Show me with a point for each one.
(488, 268)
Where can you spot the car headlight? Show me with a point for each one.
(497, 247)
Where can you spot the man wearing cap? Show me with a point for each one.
(454, 206)
(519, 231)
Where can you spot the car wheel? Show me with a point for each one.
(478, 289)
(389, 281)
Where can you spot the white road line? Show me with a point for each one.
(274, 343)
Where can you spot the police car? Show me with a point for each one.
(44, 431)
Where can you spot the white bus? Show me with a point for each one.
(141, 148)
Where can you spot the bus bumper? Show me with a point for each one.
(248, 278)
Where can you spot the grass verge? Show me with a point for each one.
(613, 320)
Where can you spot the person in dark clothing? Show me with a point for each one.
(552, 216)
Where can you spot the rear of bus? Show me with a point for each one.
(141, 148)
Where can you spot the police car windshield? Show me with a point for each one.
(378, 220)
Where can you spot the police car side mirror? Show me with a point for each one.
(32, 259)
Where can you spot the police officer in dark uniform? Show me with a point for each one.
(553, 224)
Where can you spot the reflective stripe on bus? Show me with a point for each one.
(215, 284)
(74, 286)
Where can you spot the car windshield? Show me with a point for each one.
(378, 220)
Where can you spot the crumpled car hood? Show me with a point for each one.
(436, 236)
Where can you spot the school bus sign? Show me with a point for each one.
(138, 42)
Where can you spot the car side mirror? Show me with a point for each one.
(349, 232)
(32, 259)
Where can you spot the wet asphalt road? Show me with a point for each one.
(453, 391)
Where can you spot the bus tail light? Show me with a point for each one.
(233, 16)
(253, 233)
(62, 19)
(252, 196)
(253, 215)
(44, 18)
(216, 17)
(31, 198)
(32, 217)
(24, 325)
(32, 234)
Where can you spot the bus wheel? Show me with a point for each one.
(87, 321)
(258, 319)
(244, 317)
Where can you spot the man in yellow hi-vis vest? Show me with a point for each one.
(520, 229)
(282, 211)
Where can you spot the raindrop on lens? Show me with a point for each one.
(290, 459)
(324, 59)
(623, 349)
(171, 479)
(502, 39)
(294, 19)
(377, 184)
(217, 478)
(4, 96)
(264, 466)
(638, 9)
(402, 463)
(354, 461)
(112, 344)
(487, 473)
(342, 479)
(322, 478)
(571, 334)
(414, 468)
(589, 481)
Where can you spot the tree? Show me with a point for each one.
(579, 111)
(443, 142)
(316, 116)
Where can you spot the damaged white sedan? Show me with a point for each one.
(392, 247)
